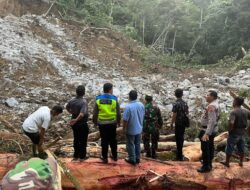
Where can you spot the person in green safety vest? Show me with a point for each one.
(107, 116)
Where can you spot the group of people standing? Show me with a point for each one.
(139, 121)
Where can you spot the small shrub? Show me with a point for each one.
(191, 133)
(130, 31)
(151, 56)
(167, 155)
(244, 63)
(245, 93)
(227, 61)
(223, 122)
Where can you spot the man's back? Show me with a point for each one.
(40, 118)
(78, 105)
(152, 116)
(181, 109)
(239, 117)
(134, 115)
(106, 110)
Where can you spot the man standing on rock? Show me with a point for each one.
(107, 116)
(36, 125)
(237, 131)
(78, 107)
(151, 125)
(133, 123)
(180, 121)
(208, 131)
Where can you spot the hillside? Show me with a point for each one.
(43, 59)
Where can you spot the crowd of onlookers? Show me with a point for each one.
(140, 121)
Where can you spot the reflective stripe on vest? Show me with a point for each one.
(107, 104)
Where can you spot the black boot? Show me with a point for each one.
(204, 169)
(104, 160)
(148, 154)
(153, 154)
(226, 163)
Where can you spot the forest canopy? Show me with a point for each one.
(202, 31)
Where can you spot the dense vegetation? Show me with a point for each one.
(193, 31)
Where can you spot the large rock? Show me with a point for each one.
(11, 102)
(242, 72)
(223, 80)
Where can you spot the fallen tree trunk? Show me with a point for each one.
(13, 136)
(162, 146)
(67, 146)
(220, 137)
(93, 174)
(245, 105)
(8, 125)
(96, 135)
(164, 138)
(221, 145)
(193, 152)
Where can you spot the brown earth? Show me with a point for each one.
(21, 7)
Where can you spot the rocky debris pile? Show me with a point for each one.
(42, 63)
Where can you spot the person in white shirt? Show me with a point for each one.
(37, 123)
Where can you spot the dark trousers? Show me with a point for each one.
(207, 148)
(179, 137)
(154, 142)
(108, 137)
(80, 132)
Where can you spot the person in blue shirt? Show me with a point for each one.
(133, 123)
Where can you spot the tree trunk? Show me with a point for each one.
(143, 30)
(173, 46)
(96, 135)
(201, 18)
(164, 138)
(93, 174)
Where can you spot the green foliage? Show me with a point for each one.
(244, 63)
(94, 12)
(169, 155)
(223, 122)
(196, 31)
(225, 32)
(191, 133)
(150, 56)
(245, 93)
(227, 61)
(130, 31)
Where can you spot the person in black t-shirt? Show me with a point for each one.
(237, 131)
(78, 107)
(179, 121)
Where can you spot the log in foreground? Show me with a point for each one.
(93, 174)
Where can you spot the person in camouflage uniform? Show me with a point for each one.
(151, 125)
(34, 174)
